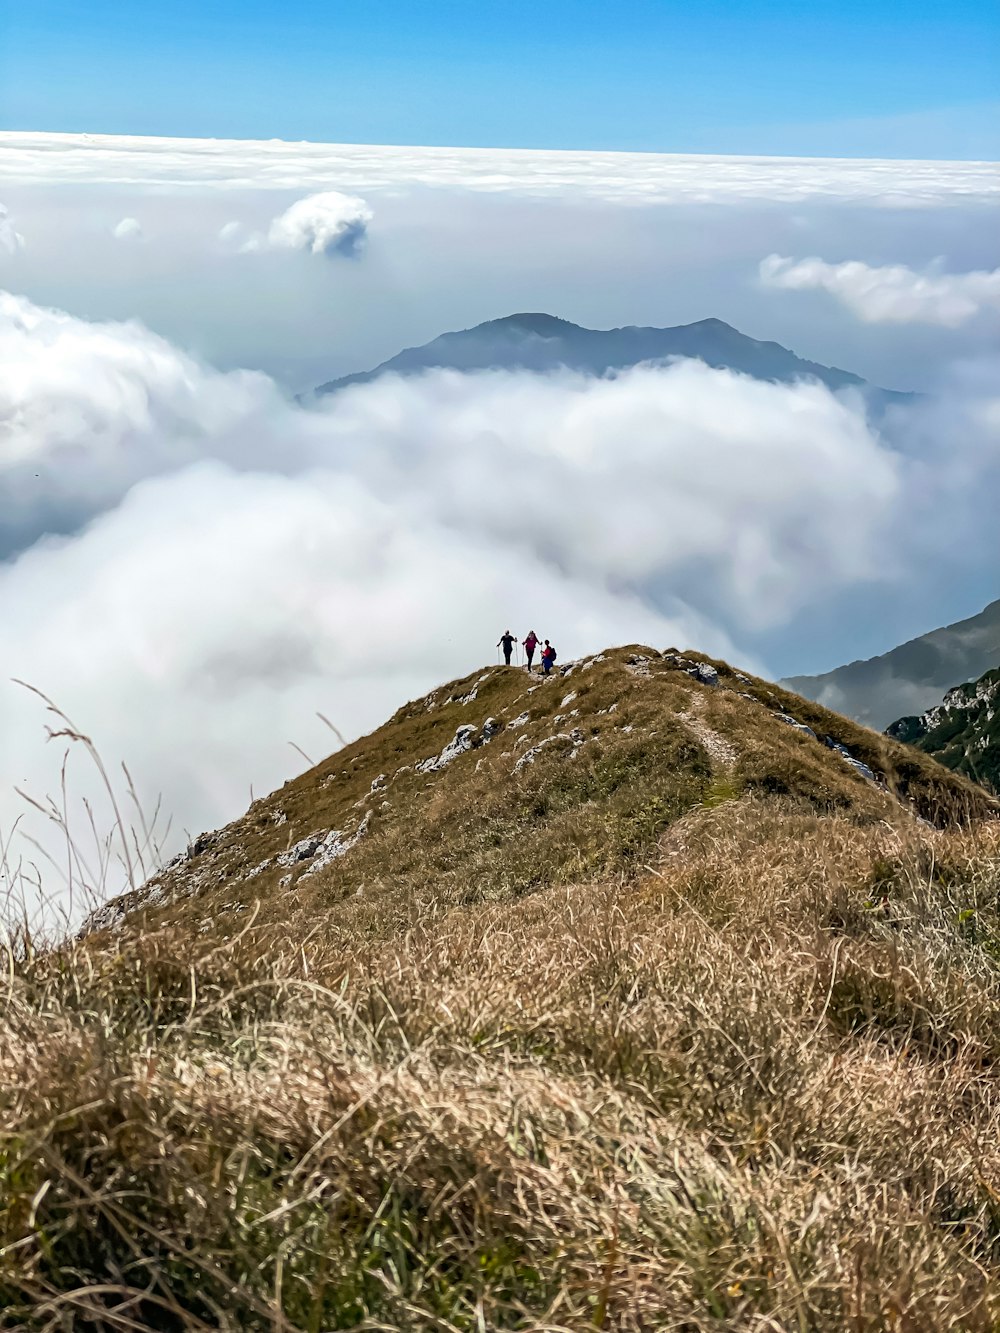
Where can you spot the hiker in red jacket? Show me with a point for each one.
(530, 644)
(548, 657)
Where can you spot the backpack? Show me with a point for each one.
(552, 653)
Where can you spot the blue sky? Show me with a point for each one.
(872, 78)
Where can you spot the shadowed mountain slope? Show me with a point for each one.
(540, 342)
(963, 731)
(912, 677)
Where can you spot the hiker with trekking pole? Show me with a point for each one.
(530, 644)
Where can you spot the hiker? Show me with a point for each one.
(530, 644)
(548, 657)
(506, 640)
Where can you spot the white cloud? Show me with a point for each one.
(88, 409)
(10, 238)
(622, 177)
(129, 229)
(892, 293)
(244, 561)
(636, 478)
(606, 476)
(328, 224)
(230, 232)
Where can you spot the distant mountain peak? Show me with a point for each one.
(717, 324)
(540, 342)
(532, 322)
(911, 678)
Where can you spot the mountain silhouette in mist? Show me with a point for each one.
(911, 678)
(539, 342)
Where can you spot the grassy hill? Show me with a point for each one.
(962, 732)
(618, 1000)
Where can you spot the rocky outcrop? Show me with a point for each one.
(962, 731)
(466, 738)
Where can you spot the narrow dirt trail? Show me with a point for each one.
(720, 751)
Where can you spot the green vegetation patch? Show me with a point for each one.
(963, 733)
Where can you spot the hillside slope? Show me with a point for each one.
(614, 1001)
(912, 677)
(962, 732)
(542, 342)
(502, 783)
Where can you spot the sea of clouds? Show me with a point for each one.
(227, 164)
(195, 565)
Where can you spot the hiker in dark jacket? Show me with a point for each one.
(530, 644)
(506, 641)
(548, 657)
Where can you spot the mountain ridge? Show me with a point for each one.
(911, 677)
(651, 732)
(540, 342)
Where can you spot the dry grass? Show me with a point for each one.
(754, 1089)
(741, 1078)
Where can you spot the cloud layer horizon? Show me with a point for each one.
(194, 565)
(232, 564)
